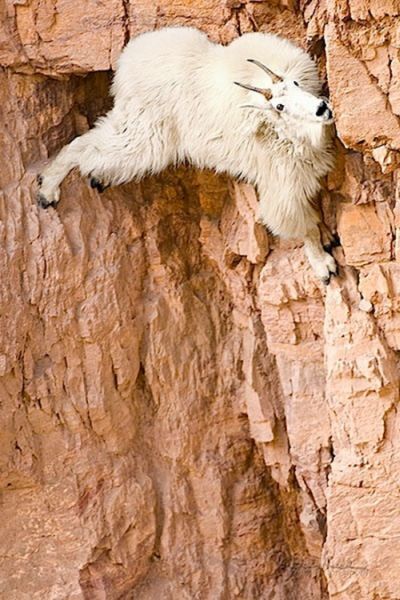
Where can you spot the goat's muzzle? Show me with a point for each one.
(323, 110)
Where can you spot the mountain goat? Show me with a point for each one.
(250, 109)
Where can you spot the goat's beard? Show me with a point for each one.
(302, 132)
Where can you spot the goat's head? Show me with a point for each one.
(289, 100)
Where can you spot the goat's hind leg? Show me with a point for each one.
(92, 152)
(108, 155)
(52, 176)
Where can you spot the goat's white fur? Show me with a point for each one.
(175, 100)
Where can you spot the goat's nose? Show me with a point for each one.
(324, 108)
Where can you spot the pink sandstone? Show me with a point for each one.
(185, 411)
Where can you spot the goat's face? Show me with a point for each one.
(288, 100)
(295, 104)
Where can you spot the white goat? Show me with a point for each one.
(175, 100)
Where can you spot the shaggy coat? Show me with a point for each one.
(175, 100)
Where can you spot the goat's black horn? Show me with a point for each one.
(275, 78)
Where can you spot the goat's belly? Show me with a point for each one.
(214, 153)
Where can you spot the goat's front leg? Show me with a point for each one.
(299, 220)
(322, 263)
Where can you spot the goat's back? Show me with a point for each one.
(175, 57)
(160, 61)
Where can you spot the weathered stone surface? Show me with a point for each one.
(185, 411)
(362, 41)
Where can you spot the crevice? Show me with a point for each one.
(125, 22)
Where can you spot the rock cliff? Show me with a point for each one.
(186, 413)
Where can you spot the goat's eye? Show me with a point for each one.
(279, 107)
(295, 83)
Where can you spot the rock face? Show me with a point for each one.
(185, 412)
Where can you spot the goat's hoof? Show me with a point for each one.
(336, 240)
(325, 268)
(43, 202)
(333, 243)
(39, 179)
(326, 280)
(97, 185)
(333, 272)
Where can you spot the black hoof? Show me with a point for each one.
(39, 179)
(97, 185)
(334, 243)
(328, 279)
(43, 202)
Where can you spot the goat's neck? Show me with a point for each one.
(305, 138)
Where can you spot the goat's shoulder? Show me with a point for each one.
(167, 39)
